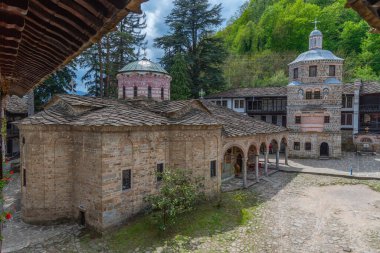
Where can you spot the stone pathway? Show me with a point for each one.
(19, 235)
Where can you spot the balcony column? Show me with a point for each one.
(257, 168)
(266, 162)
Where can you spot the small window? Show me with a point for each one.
(327, 119)
(239, 104)
(297, 146)
(162, 94)
(298, 119)
(309, 94)
(123, 92)
(160, 170)
(317, 94)
(349, 102)
(149, 92)
(308, 146)
(24, 178)
(332, 70)
(126, 180)
(224, 103)
(349, 119)
(295, 73)
(264, 118)
(213, 168)
(344, 99)
(135, 92)
(343, 119)
(312, 71)
(274, 119)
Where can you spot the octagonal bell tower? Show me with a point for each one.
(315, 102)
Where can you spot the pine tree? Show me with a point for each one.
(192, 24)
(58, 83)
(180, 79)
(104, 59)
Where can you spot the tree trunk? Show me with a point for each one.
(100, 56)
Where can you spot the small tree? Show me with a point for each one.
(179, 193)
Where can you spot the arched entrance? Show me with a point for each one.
(324, 150)
(232, 163)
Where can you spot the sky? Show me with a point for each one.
(156, 11)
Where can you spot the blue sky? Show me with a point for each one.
(156, 11)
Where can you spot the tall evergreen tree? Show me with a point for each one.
(60, 82)
(180, 78)
(192, 24)
(104, 59)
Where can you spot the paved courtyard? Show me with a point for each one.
(299, 213)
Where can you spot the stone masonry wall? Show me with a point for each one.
(322, 71)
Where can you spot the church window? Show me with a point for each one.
(123, 92)
(162, 94)
(327, 119)
(312, 71)
(297, 146)
(317, 94)
(135, 92)
(160, 170)
(295, 73)
(213, 169)
(298, 119)
(309, 94)
(126, 182)
(308, 146)
(149, 92)
(332, 70)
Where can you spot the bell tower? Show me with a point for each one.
(315, 38)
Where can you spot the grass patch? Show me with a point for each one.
(210, 218)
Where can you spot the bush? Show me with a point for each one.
(179, 193)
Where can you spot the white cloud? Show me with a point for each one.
(156, 12)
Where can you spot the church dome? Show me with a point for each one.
(316, 33)
(143, 65)
(315, 55)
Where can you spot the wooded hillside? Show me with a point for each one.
(268, 34)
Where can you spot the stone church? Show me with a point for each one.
(94, 160)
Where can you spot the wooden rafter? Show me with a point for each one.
(369, 10)
(38, 37)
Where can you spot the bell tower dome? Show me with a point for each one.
(315, 38)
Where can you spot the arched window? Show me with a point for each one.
(162, 94)
(366, 140)
(135, 92)
(317, 94)
(309, 94)
(123, 92)
(149, 92)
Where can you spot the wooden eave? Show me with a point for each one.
(37, 37)
(368, 10)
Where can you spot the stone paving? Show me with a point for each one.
(300, 213)
(362, 166)
(19, 235)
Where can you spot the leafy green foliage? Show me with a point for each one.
(178, 194)
(191, 27)
(269, 34)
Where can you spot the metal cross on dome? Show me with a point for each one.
(315, 22)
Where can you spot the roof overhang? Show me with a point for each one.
(368, 10)
(37, 37)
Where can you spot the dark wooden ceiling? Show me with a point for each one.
(369, 10)
(39, 36)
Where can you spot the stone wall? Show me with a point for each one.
(69, 170)
(347, 141)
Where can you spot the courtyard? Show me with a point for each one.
(285, 212)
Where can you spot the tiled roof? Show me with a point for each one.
(315, 55)
(370, 88)
(251, 92)
(348, 88)
(87, 111)
(17, 105)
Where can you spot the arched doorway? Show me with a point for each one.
(239, 161)
(324, 150)
(232, 162)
